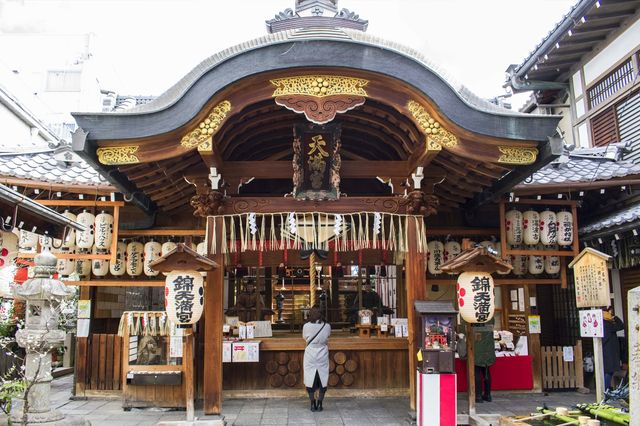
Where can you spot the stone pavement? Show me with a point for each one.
(295, 411)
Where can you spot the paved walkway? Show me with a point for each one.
(337, 411)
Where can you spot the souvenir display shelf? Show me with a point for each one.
(147, 384)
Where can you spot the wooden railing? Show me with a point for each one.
(558, 373)
(98, 363)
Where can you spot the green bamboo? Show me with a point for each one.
(606, 412)
(552, 413)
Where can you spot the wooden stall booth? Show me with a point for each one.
(321, 175)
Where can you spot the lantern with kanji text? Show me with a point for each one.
(513, 226)
(565, 228)
(476, 299)
(184, 290)
(531, 224)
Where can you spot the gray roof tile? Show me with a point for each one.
(44, 166)
(627, 215)
(585, 165)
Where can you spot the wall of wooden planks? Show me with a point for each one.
(558, 373)
(99, 363)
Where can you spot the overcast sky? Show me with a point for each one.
(145, 46)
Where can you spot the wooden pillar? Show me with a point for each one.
(633, 321)
(214, 320)
(416, 290)
(189, 368)
(82, 352)
(471, 369)
(535, 349)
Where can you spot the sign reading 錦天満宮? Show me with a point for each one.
(591, 278)
(316, 162)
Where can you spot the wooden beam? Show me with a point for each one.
(81, 203)
(116, 283)
(555, 188)
(162, 232)
(284, 169)
(389, 204)
(503, 281)
(214, 319)
(432, 232)
(60, 187)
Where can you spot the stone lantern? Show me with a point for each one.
(40, 335)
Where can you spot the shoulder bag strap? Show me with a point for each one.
(316, 335)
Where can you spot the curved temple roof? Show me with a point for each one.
(338, 48)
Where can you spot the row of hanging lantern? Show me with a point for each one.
(440, 253)
(531, 228)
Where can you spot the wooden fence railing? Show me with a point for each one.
(98, 363)
(558, 373)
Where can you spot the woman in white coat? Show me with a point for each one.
(316, 357)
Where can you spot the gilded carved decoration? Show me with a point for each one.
(437, 136)
(202, 136)
(517, 155)
(319, 97)
(117, 155)
(319, 86)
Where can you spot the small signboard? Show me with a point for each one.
(591, 323)
(84, 308)
(534, 324)
(245, 351)
(591, 277)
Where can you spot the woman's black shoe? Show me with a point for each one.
(319, 405)
(486, 398)
(478, 400)
(313, 406)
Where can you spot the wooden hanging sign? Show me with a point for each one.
(591, 277)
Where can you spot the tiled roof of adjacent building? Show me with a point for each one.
(585, 165)
(59, 165)
(621, 217)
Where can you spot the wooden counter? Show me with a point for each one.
(357, 365)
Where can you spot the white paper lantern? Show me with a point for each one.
(8, 248)
(184, 297)
(70, 237)
(134, 258)
(565, 228)
(28, 241)
(451, 250)
(166, 248)
(104, 230)
(476, 298)
(552, 263)
(513, 226)
(84, 239)
(118, 268)
(548, 228)
(46, 242)
(66, 266)
(507, 259)
(152, 251)
(520, 262)
(201, 248)
(99, 267)
(531, 224)
(83, 266)
(435, 257)
(536, 263)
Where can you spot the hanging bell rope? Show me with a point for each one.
(314, 230)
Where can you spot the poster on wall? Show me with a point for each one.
(534, 324)
(591, 323)
(84, 308)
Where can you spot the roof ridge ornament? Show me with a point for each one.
(316, 13)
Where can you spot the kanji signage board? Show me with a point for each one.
(591, 277)
(316, 162)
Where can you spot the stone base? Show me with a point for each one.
(50, 418)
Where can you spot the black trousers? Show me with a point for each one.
(317, 385)
(483, 374)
